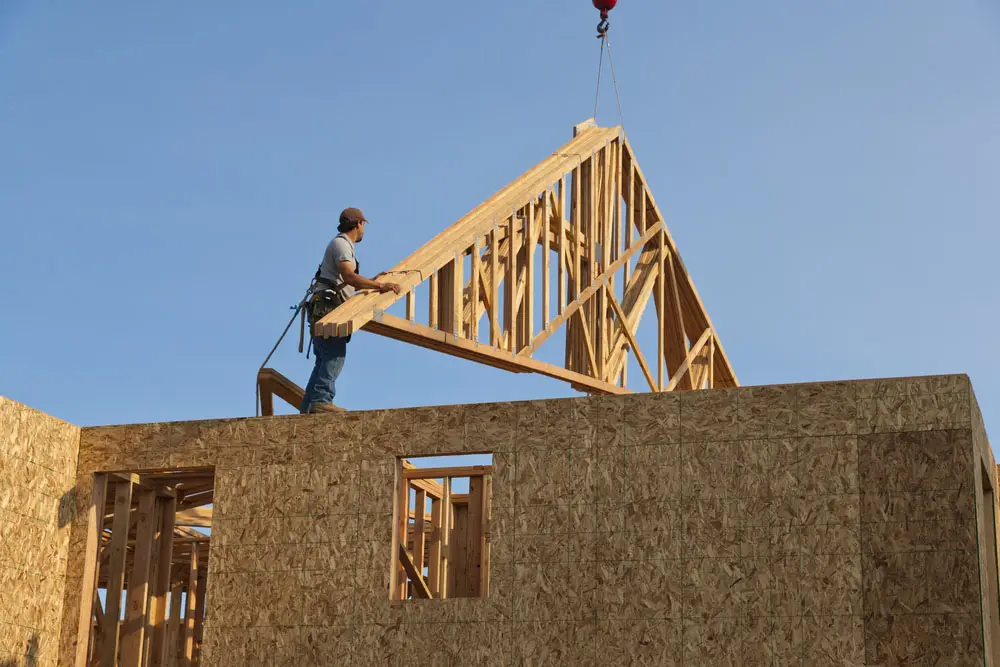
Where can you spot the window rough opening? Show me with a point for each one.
(441, 536)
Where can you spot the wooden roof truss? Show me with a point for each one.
(575, 244)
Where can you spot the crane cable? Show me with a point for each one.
(602, 35)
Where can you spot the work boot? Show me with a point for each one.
(325, 407)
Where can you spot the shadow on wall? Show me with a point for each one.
(67, 510)
(30, 655)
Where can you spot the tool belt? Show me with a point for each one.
(326, 298)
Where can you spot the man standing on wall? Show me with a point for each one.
(336, 280)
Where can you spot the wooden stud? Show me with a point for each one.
(474, 536)
(487, 513)
(154, 566)
(400, 507)
(88, 592)
(161, 585)
(510, 284)
(546, 269)
(711, 362)
(458, 290)
(116, 573)
(660, 362)
(446, 523)
(434, 557)
(134, 627)
(418, 530)
(529, 274)
(629, 223)
(458, 571)
(474, 290)
(191, 605)
(561, 272)
(411, 310)
(199, 614)
(432, 302)
(576, 228)
(175, 632)
(495, 286)
(402, 523)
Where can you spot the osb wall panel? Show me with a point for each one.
(811, 524)
(37, 466)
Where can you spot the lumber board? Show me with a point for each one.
(510, 286)
(191, 602)
(198, 517)
(530, 242)
(660, 275)
(434, 552)
(474, 537)
(447, 520)
(475, 288)
(399, 329)
(199, 614)
(561, 271)
(458, 286)
(161, 586)
(174, 631)
(419, 536)
(457, 559)
(432, 302)
(692, 355)
(419, 588)
(116, 573)
(546, 267)
(494, 286)
(441, 473)
(88, 590)
(623, 320)
(487, 513)
(273, 383)
(134, 628)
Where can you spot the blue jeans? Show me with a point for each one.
(330, 354)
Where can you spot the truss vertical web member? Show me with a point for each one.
(605, 251)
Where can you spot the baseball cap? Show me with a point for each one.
(352, 216)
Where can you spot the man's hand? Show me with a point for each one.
(388, 287)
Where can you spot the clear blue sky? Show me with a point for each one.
(171, 172)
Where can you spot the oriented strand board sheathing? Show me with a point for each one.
(38, 457)
(832, 523)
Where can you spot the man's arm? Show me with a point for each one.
(356, 281)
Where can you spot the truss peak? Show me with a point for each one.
(575, 245)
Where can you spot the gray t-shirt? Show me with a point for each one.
(341, 249)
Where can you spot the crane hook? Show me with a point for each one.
(604, 6)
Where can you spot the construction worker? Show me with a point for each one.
(336, 280)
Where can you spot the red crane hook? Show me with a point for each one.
(604, 6)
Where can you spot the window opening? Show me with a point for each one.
(442, 540)
(146, 568)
